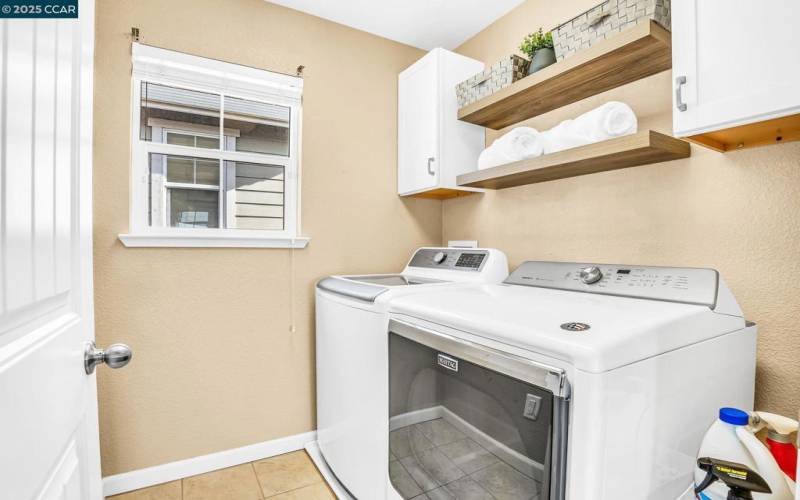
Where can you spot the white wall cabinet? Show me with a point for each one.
(736, 71)
(433, 146)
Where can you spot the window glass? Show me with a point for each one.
(262, 127)
(259, 195)
(207, 142)
(503, 423)
(180, 139)
(206, 172)
(179, 169)
(190, 170)
(193, 207)
(170, 108)
(191, 140)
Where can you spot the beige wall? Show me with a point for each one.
(736, 212)
(215, 364)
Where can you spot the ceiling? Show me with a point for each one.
(425, 24)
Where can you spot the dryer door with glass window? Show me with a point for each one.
(467, 421)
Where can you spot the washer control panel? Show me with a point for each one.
(676, 284)
(458, 259)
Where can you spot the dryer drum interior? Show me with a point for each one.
(472, 422)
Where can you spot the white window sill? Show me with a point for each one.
(211, 241)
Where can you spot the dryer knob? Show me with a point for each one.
(591, 275)
(439, 257)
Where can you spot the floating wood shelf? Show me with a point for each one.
(633, 54)
(633, 150)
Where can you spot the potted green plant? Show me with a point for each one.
(539, 47)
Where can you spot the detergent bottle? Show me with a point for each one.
(782, 487)
(731, 439)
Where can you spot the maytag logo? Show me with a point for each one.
(447, 362)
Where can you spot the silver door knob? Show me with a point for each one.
(114, 356)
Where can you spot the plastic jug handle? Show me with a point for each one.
(765, 464)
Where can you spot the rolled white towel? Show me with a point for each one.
(519, 144)
(522, 143)
(612, 119)
(564, 136)
(493, 156)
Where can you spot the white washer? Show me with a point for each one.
(576, 381)
(352, 347)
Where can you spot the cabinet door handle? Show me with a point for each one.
(431, 159)
(679, 82)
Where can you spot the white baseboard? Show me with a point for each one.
(142, 478)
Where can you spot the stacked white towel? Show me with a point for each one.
(612, 119)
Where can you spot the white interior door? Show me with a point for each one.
(418, 161)
(48, 421)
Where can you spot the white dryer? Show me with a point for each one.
(351, 350)
(567, 381)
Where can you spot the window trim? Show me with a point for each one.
(165, 67)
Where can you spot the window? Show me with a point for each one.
(215, 153)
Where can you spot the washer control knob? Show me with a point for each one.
(591, 275)
(439, 257)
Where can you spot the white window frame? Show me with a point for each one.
(166, 67)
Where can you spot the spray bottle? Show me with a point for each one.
(739, 479)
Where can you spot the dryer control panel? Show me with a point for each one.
(675, 284)
(457, 259)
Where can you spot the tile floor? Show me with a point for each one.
(435, 461)
(292, 476)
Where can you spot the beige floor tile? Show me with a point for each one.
(233, 483)
(318, 491)
(286, 472)
(166, 491)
